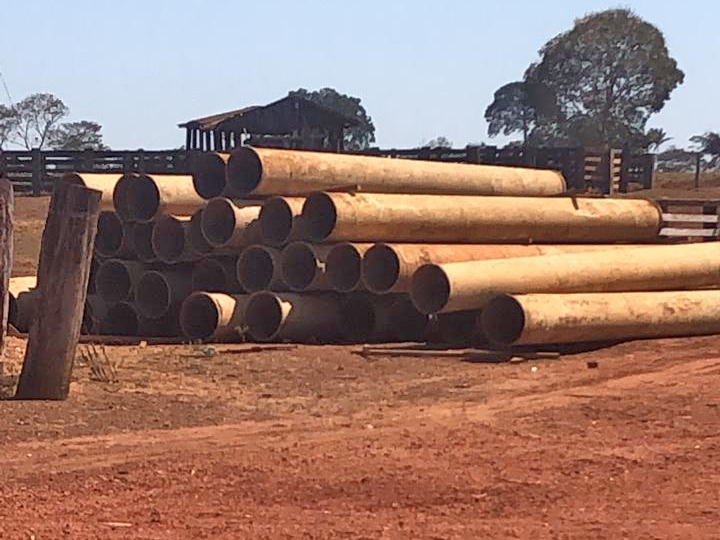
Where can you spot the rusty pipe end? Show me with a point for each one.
(344, 267)
(120, 319)
(255, 268)
(113, 281)
(211, 275)
(276, 221)
(199, 316)
(168, 239)
(299, 266)
(121, 196)
(197, 240)
(244, 171)
(142, 241)
(144, 198)
(264, 316)
(110, 234)
(218, 221)
(153, 295)
(208, 174)
(319, 216)
(503, 320)
(380, 269)
(430, 289)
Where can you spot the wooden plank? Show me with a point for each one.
(62, 283)
(6, 254)
(692, 218)
(705, 233)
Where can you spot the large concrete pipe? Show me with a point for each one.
(469, 285)
(95, 310)
(227, 224)
(305, 318)
(213, 316)
(379, 319)
(208, 172)
(121, 196)
(280, 220)
(302, 266)
(343, 266)
(142, 241)
(113, 238)
(152, 196)
(586, 317)
(116, 280)
(197, 240)
(171, 240)
(161, 292)
(216, 274)
(389, 267)
(103, 182)
(265, 171)
(258, 269)
(334, 217)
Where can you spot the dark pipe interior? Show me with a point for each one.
(380, 268)
(344, 267)
(144, 199)
(208, 175)
(113, 281)
(276, 220)
(319, 216)
(168, 240)
(430, 289)
(153, 295)
(503, 320)
(299, 266)
(244, 171)
(109, 234)
(120, 320)
(197, 239)
(255, 269)
(142, 241)
(263, 316)
(199, 317)
(218, 222)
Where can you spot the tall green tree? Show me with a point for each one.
(82, 135)
(37, 116)
(709, 145)
(655, 138)
(518, 107)
(356, 138)
(438, 142)
(8, 123)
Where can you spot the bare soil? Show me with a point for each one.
(317, 442)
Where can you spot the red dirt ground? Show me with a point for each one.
(318, 443)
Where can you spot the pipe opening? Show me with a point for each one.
(218, 222)
(121, 196)
(457, 327)
(430, 289)
(199, 317)
(168, 239)
(210, 275)
(357, 321)
(113, 281)
(299, 266)
(120, 320)
(276, 221)
(144, 198)
(197, 240)
(255, 269)
(142, 241)
(344, 267)
(153, 295)
(208, 175)
(319, 216)
(264, 316)
(110, 234)
(244, 171)
(503, 320)
(380, 268)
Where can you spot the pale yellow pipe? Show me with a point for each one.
(335, 217)
(535, 319)
(102, 182)
(470, 285)
(266, 171)
(213, 316)
(389, 267)
(153, 195)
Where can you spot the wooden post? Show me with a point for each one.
(63, 272)
(38, 168)
(6, 253)
(698, 166)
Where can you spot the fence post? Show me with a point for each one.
(38, 168)
(698, 166)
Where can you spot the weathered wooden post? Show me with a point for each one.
(698, 169)
(63, 272)
(38, 170)
(6, 253)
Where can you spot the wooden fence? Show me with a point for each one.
(586, 169)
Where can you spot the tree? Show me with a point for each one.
(655, 138)
(517, 107)
(708, 144)
(8, 123)
(37, 116)
(356, 138)
(83, 135)
(676, 160)
(608, 74)
(438, 142)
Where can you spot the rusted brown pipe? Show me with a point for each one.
(120, 319)
(258, 269)
(226, 224)
(470, 285)
(280, 221)
(266, 171)
(389, 267)
(116, 280)
(577, 318)
(22, 298)
(302, 267)
(216, 274)
(160, 292)
(343, 266)
(122, 202)
(335, 217)
(197, 240)
(295, 317)
(103, 182)
(459, 329)
(171, 240)
(113, 237)
(213, 316)
(387, 318)
(142, 240)
(208, 172)
(151, 196)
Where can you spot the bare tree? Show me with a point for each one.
(37, 115)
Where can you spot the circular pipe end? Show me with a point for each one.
(319, 216)
(113, 281)
(298, 266)
(276, 221)
(142, 241)
(121, 196)
(153, 295)
(168, 239)
(344, 267)
(380, 268)
(199, 316)
(208, 174)
(110, 233)
(255, 269)
(264, 316)
(120, 320)
(218, 221)
(244, 171)
(430, 289)
(143, 198)
(503, 320)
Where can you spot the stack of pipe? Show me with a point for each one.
(282, 245)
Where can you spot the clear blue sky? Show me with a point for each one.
(422, 68)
